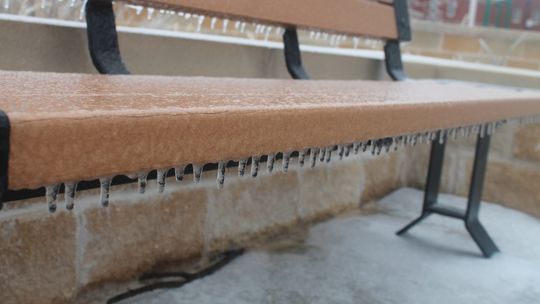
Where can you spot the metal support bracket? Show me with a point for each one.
(470, 215)
(403, 24)
(102, 37)
(392, 60)
(293, 57)
(392, 52)
(4, 154)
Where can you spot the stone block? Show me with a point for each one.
(250, 207)
(330, 188)
(458, 43)
(139, 231)
(37, 256)
(513, 184)
(527, 142)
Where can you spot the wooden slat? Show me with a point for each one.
(354, 17)
(70, 127)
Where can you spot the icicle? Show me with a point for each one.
(366, 144)
(200, 21)
(225, 24)
(179, 173)
(51, 195)
(161, 176)
(267, 33)
(82, 10)
(482, 131)
(69, 195)
(242, 167)
(270, 162)
(356, 147)
(302, 157)
(150, 13)
(322, 154)
(197, 173)
(221, 174)
(414, 139)
(356, 41)
(442, 135)
(341, 151)
(379, 146)
(285, 162)
(255, 165)
(141, 179)
(314, 154)
(388, 144)
(347, 150)
(105, 188)
(213, 23)
(328, 153)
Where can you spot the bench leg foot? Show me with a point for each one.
(412, 224)
(481, 238)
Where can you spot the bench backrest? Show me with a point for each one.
(385, 19)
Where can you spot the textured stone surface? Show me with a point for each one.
(137, 231)
(382, 176)
(247, 207)
(452, 175)
(527, 142)
(458, 43)
(37, 257)
(330, 188)
(514, 184)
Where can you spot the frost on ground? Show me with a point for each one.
(360, 260)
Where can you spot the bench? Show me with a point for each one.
(69, 132)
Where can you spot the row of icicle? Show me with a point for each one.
(306, 158)
(186, 21)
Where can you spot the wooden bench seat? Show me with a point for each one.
(72, 127)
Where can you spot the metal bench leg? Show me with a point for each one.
(433, 182)
(470, 216)
(472, 223)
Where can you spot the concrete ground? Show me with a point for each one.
(358, 259)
